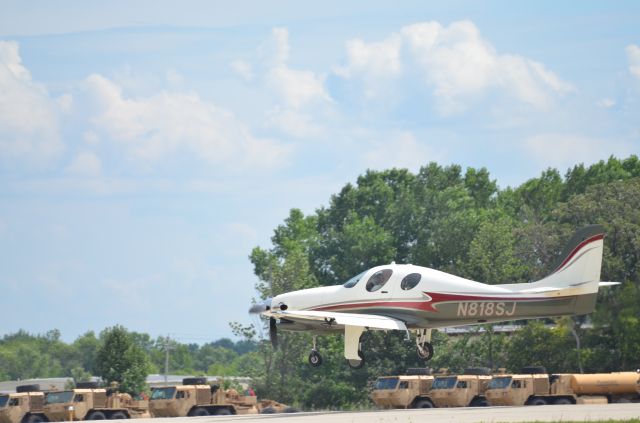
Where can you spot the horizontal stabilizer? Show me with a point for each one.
(351, 319)
(608, 283)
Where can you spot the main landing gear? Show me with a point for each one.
(315, 359)
(423, 344)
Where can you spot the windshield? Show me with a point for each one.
(354, 280)
(162, 393)
(386, 383)
(58, 397)
(3, 400)
(444, 382)
(499, 382)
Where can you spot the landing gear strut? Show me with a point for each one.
(423, 343)
(315, 359)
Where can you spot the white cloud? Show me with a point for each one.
(155, 127)
(633, 54)
(606, 103)
(28, 115)
(565, 150)
(243, 69)
(85, 164)
(294, 122)
(456, 63)
(400, 150)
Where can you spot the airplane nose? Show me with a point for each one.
(261, 307)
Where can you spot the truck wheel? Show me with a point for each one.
(423, 403)
(223, 412)
(118, 415)
(34, 418)
(315, 359)
(291, 410)
(199, 411)
(268, 410)
(97, 415)
(479, 402)
(537, 401)
(562, 401)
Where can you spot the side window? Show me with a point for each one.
(14, 402)
(516, 384)
(410, 281)
(462, 384)
(403, 385)
(378, 279)
(79, 398)
(179, 394)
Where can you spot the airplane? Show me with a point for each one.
(413, 298)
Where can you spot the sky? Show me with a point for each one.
(147, 146)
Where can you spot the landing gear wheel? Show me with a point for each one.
(357, 364)
(425, 351)
(315, 359)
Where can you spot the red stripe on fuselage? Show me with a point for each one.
(578, 248)
(428, 304)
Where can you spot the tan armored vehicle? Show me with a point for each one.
(89, 403)
(24, 406)
(195, 398)
(541, 388)
(407, 391)
(463, 390)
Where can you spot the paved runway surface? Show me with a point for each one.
(545, 413)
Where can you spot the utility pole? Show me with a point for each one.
(167, 348)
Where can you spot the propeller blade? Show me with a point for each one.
(260, 307)
(273, 332)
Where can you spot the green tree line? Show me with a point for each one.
(442, 217)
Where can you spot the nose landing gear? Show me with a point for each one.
(423, 344)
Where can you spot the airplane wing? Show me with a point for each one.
(354, 324)
(369, 321)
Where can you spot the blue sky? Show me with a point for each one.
(146, 147)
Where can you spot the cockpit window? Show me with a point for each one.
(378, 279)
(410, 281)
(354, 280)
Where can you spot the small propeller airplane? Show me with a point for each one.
(413, 298)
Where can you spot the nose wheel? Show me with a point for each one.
(315, 359)
(423, 344)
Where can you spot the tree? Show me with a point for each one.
(119, 359)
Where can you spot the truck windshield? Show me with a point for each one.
(386, 383)
(3, 400)
(58, 397)
(162, 393)
(444, 382)
(499, 382)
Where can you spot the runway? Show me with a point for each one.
(545, 413)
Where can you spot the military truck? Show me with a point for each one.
(23, 406)
(463, 390)
(88, 402)
(406, 391)
(540, 388)
(196, 398)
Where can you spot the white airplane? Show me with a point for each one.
(414, 298)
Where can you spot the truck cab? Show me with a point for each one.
(92, 404)
(518, 389)
(409, 391)
(195, 398)
(460, 391)
(22, 407)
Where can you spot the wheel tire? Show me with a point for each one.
(97, 415)
(194, 381)
(268, 410)
(537, 401)
(315, 359)
(479, 402)
(427, 353)
(199, 412)
(357, 364)
(423, 403)
(28, 388)
(563, 401)
(291, 410)
(34, 418)
(118, 415)
(223, 412)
